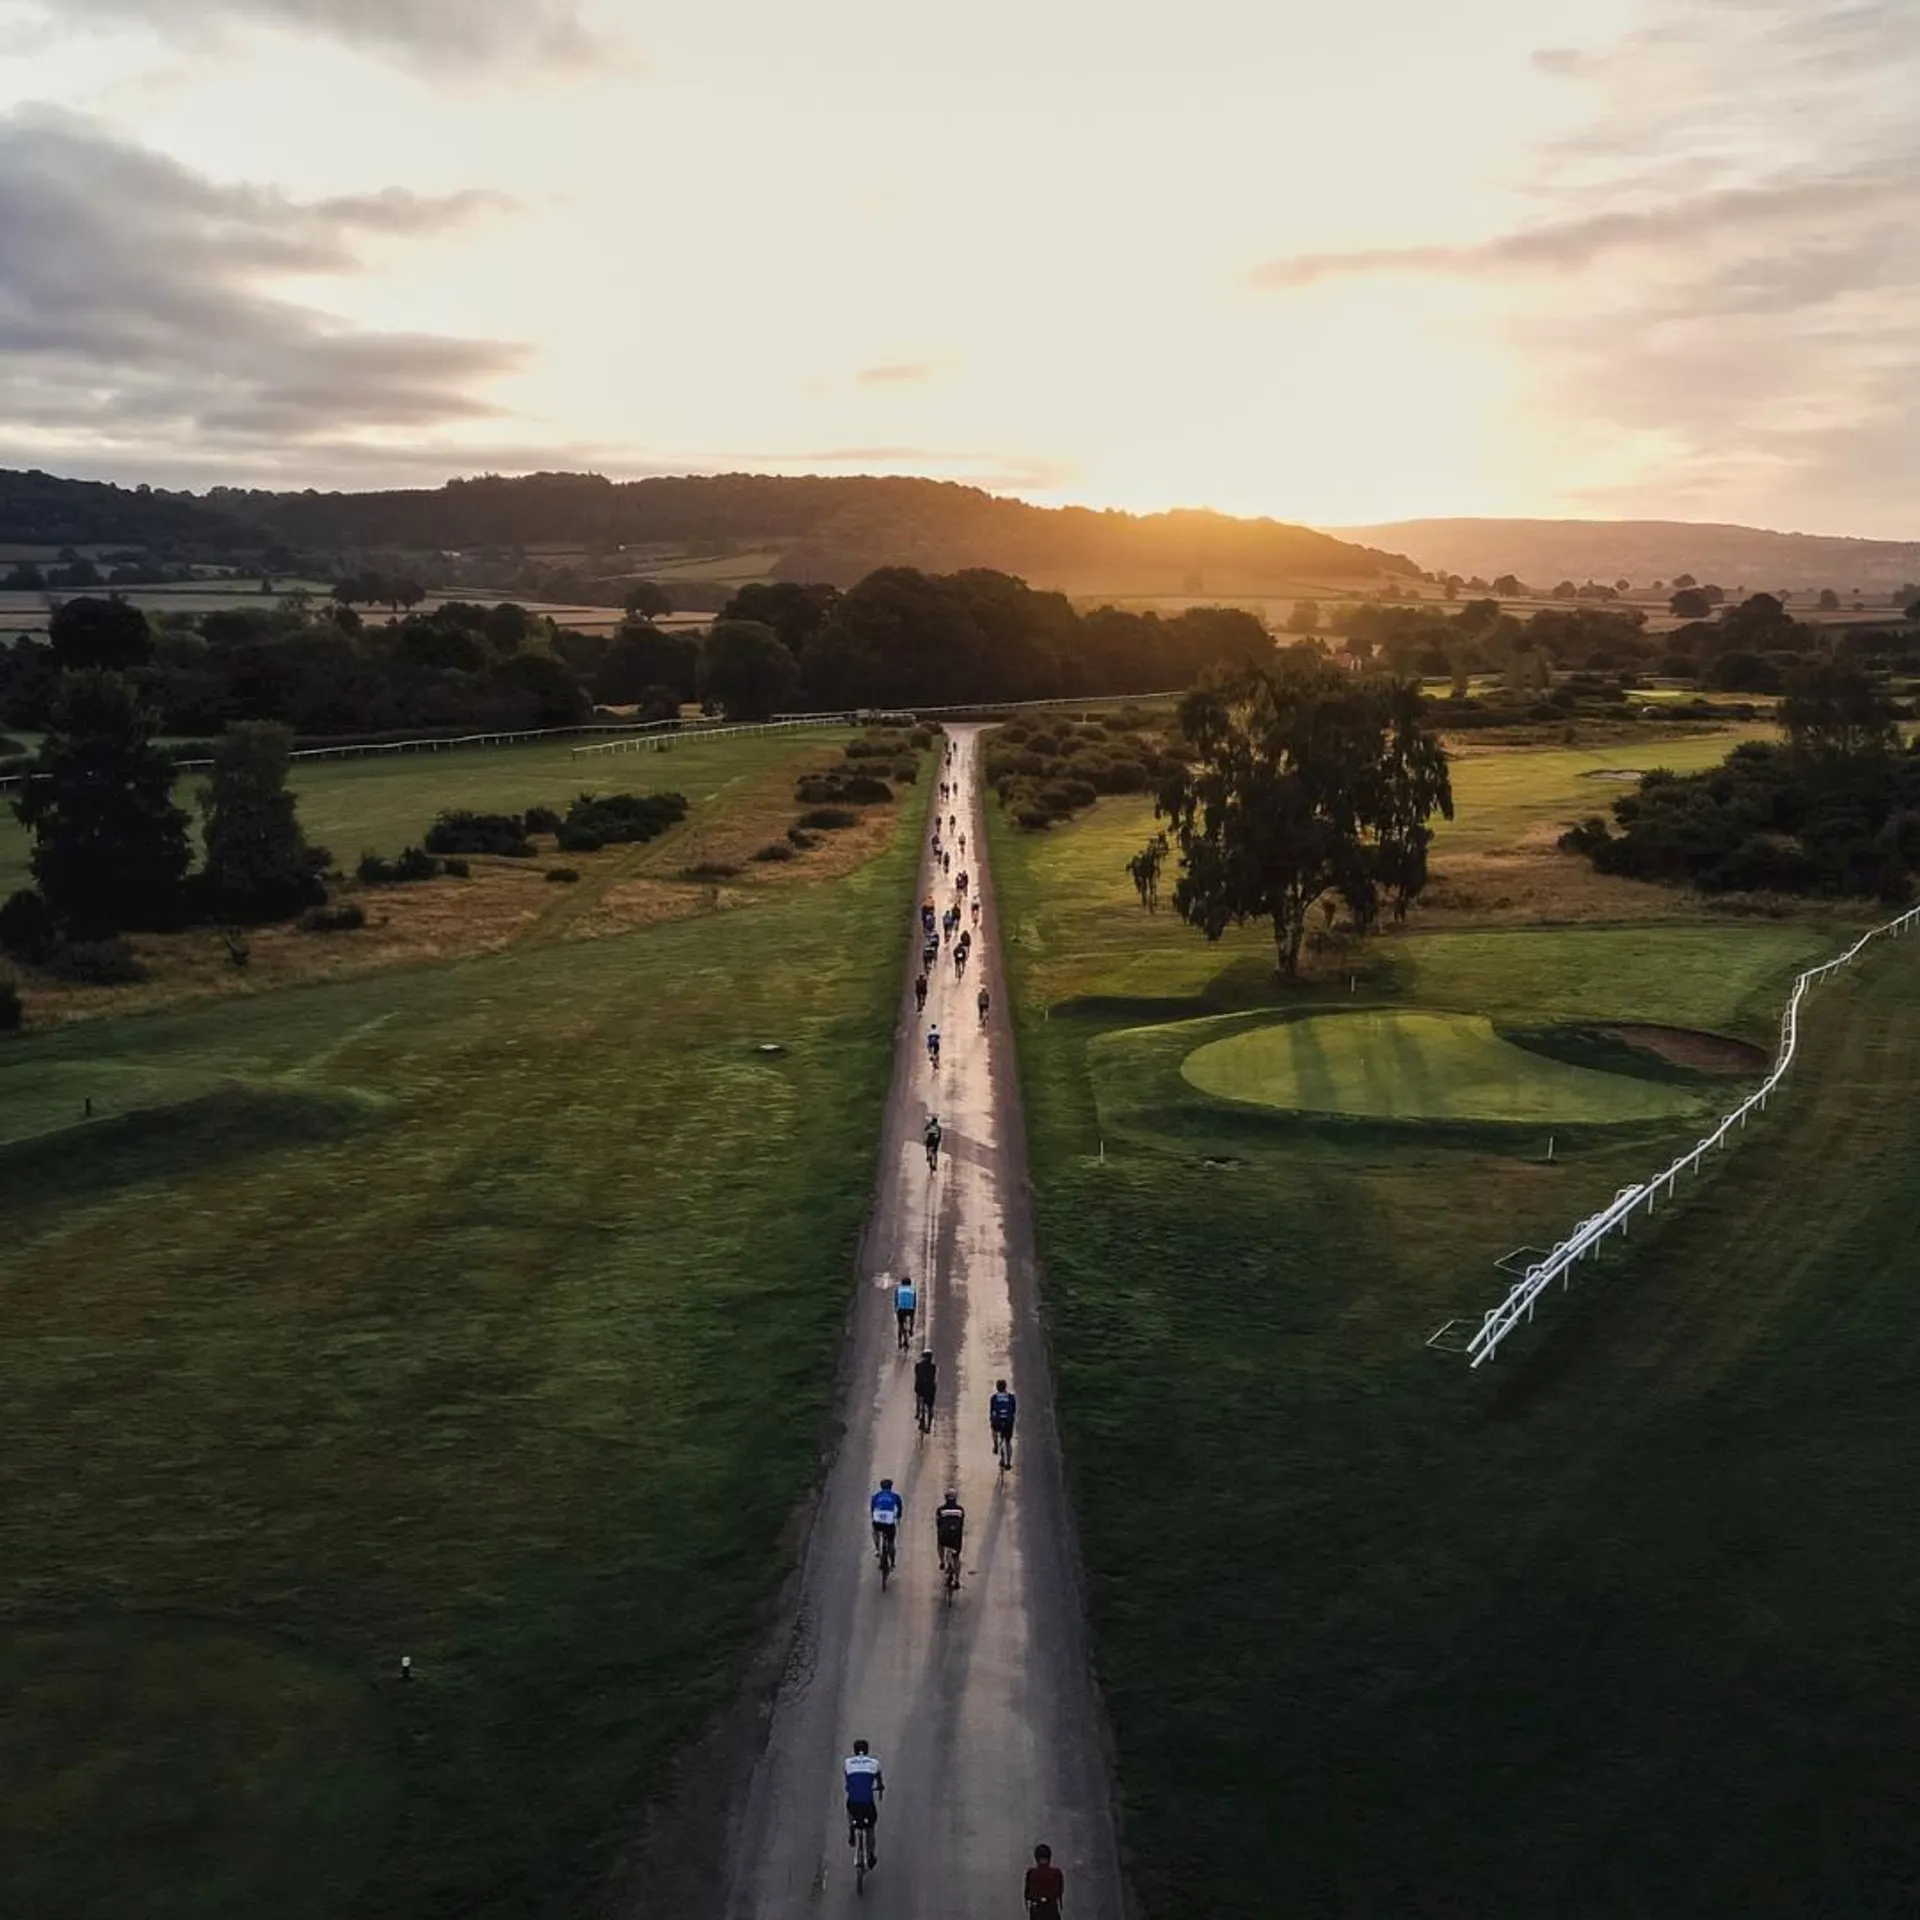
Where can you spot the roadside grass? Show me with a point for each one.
(455, 1313)
(1612, 1626)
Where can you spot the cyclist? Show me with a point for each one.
(920, 994)
(866, 1786)
(983, 1001)
(884, 1510)
(961, 882)
(963, 846)
(1046, 1886)
(933, 1137)
(953, 820)
(946, 863)
(906, 1303)
(950, 1531)
(1001, 1408)
(976, 909)
(933, 1046)
(960, 958)
(926, 1383)
(929, 953)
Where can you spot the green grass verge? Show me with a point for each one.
(389, 801)
(455, 1313)
(1610, 1627)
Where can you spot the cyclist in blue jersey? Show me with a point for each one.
(906, 1303)
(1001, 1408)
(866, 1786)
(884, 1510)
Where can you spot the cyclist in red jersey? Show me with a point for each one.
(1046, 1886)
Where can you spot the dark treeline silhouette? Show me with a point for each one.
(900, 638)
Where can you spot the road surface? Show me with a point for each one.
(983, 1712)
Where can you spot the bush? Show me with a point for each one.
(414, 863)
(800, 837)
(828, 819)
(27, 930)
(854, 789)
(920, 738)
(875, 746)
(456, 869)
(1032, 817)
(907, 772)
(541, 820)
(620, 819)
(459, 831)
(774, 850)
(12, 1013)
(97, 963)
(562, 876)
(348, 917)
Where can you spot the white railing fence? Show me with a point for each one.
(1618, 1214)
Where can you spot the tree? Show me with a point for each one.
(1566, 590)
(1508, 587)
(1689, 603)
(1831, 709)
(110, 847)
(1829, 601)
(259, 865)
(1684, 580)
(796, 610)
(648, 600)
(109, 635)
(1305, 617)
(1299, 781)
(748, 671)
(643, 658)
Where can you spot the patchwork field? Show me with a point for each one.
(1605, 1628)
(454, 1313)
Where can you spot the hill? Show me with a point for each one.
(1542, 552)
(41, 510)
(822, 529)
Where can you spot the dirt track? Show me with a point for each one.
(983, 1712)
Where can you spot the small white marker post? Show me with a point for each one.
(406, 1666)
(1549, 1149)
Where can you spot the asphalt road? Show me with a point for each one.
(983, 1711)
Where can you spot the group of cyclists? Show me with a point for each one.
(865, 1781)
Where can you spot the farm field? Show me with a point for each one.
(1602, 1628)
(456, 1313)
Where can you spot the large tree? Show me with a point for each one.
(748, 671)
(108, 634)
(110, 847)
(1298, 783)
(1832, 710)
(259, 865)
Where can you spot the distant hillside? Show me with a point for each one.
(39, 509)
(831, 529)
(1542, 552)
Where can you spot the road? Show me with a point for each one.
(983, 1712)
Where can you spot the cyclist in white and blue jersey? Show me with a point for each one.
(1001, 1407)
(906, 1303)
(884, 1510)
(865, 1785)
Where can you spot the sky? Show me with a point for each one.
(1335, 263)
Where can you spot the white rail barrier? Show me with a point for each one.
(1618, 1213)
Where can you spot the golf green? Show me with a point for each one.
(1386, 1064)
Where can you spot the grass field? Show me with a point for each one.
(387, 801)
(1614, 1626)
(456, 1312)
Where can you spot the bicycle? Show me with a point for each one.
(884, 1552)
(1003, 1447)
(923, 1412)
(933, 1153)
(950, 1568)
(903, 1328)
(862, 1854)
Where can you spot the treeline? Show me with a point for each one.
(1834, 809)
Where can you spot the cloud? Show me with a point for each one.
(1714, 298)
(896, 373)
(136, 300)
(431, 35)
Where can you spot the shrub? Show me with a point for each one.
(27, 930)
(800, 837)
(460, 831)
(1032, 817)
(621, 819)
(907, 772)
(875, 746)
(414, 863)
(562, 876)
(542, 820)
(774, 850)
(12, 1013)
(11, 749)
(97, 963)
(456, 869)
(579, 840)
(854, 789)
(920, 738)
(828, 819)
(347, 917)
(1013, 731)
